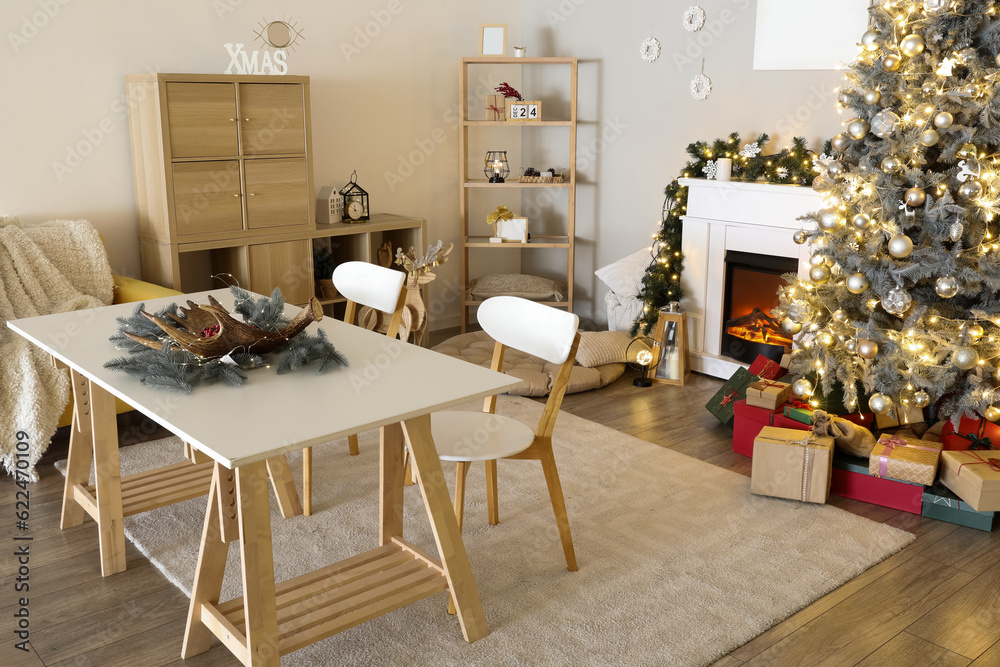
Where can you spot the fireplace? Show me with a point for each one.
(751, 292)
(730, 219)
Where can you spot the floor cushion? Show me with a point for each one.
(536, 374)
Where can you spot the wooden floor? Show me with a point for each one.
(935, 603)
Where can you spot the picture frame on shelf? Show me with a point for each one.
(524, 110)
(493, 39)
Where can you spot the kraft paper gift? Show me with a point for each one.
(496, 107)
(906, 459)
(974, 477)
(788, 463)
(768, 394)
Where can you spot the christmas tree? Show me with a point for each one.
(902, 292)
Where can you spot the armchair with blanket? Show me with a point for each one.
(50, 267)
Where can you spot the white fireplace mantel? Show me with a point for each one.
(728, 215)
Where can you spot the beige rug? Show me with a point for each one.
(679, 563)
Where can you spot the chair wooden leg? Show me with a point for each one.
(352, 444)
(307, 481)
(492, 499)
(558, 502)
(461, 472)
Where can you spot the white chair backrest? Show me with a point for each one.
(370, 285)
(542, 331)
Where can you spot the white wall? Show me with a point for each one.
(639, 117)
(382, 110)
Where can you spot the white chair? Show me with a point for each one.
(369, 285)
(465, 437)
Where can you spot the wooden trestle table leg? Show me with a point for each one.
(258, 566)
(81, 452)
(110, 526)
(454, 559)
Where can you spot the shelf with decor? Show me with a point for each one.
(472, 190)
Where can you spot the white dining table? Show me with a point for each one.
(242, 435)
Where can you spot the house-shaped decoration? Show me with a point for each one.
(329, 206)
(355, 201)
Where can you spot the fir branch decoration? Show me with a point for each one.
(171, 368)
(661, 284)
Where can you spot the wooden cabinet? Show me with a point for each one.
(475, 185)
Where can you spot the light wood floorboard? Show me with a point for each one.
(930, 604)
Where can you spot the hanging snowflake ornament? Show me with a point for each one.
(694, 18)
(650, 49)
(711, 169)
(750, 150)
(701, 87)
(782, 172)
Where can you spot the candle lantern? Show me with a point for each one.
(496, 168)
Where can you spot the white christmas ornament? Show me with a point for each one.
(650, 49)
(694, 18)
(956, 231)
(885, 123)
(944, 69)
(897, 301)
(750, 150)
(701, 87)
(711, 169)
(965, 171)
(933, 7)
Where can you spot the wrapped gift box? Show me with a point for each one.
(805, 416)
(793, 464)
(722, 405)
(974, 477)
(749, 421)
(786, 361)
(496, 107)
(971, 434)
(941, 504)
(769, 394)
(906, 459)
(851, 479)
(900, 417)
(765, 369)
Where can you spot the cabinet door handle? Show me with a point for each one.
(246, 120)
(251, 194)
(232, 120)
(237, 195)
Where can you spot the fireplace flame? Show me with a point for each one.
(758, 327)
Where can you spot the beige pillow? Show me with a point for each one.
(516, 284)
(605, 347)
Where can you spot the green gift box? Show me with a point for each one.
(801, 415)
(721, 405)
(941, 504)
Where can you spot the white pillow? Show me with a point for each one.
(624, 277)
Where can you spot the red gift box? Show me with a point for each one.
(750, 420)
(766, 369)
(971, 434)
(877, 491)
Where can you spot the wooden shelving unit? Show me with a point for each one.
(471, 243)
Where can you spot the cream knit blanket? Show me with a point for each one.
(46, 268)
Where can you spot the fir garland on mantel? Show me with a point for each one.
(661, 284)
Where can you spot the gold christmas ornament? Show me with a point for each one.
(840, 315)
(820, 274)
(867, 349)
(929, 137)
(880, 403)
(991, 414)
(802, 388)
(869, 40)
(826, 340)
(891, 62)
(900, 246)
(857, 129)
(970, 189)
(840, 142)
(921, 399)
(851, 345)
(891, 165)
(943, 120)
(800, 237)
(835, 168)
(861, 221)
(946, 287)
(915, 197)
(966, 150)
(790, 327)
(912, 45)
(830, 220)
(816, 260)
(872, 97)
(965, 357)
(975, 333)
(857, 283)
